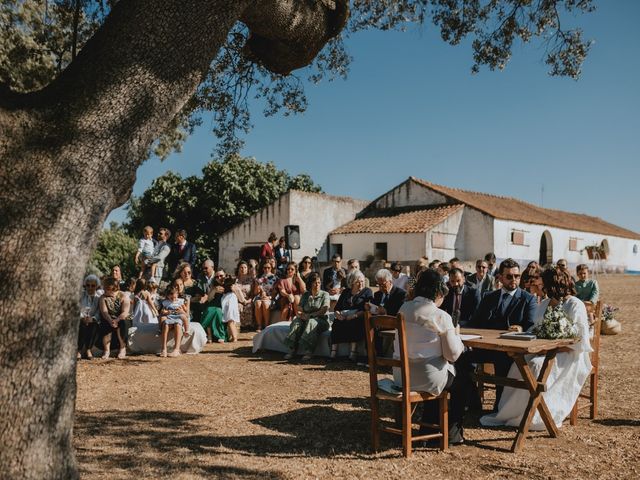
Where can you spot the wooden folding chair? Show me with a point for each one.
(405, 398)
(592, 396)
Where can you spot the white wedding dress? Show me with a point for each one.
(568, 374)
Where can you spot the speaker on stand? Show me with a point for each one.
(292, 238)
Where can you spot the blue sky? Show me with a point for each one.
(410, 106)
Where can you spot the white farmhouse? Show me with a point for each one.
(419, 218)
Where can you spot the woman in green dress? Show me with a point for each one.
(204, 308)
(311, 319)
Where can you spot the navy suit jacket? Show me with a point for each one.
(520, 311)
(188, 255)
(468, 305)
(394, 301)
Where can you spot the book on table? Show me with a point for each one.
(518, 336)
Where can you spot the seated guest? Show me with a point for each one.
(569, 371)
(348, 326)
(289, 289)
(144, 308)
(311, 320)
(230, 310)
(524, 279)
(563, 265)
(433, 344)
(282, 257)
(534, 285)
(400, 279)
(205, 279)
(89, 316)
(114, 310)
(443, 269)
(262, 292)
(333, 278)
(509, 308)
(305, 268)
(482, 281)
(242, 288)
(354, 264)
(389, 298)
(116, 273)
(421, 265)
(490, 258)
(587, 290)
(455, 262)
(461, 301)
(386, 301)
(174, 314)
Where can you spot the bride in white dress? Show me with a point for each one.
(570, 369)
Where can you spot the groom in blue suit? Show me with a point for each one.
(509, 308)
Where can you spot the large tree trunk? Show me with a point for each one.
(68, 156)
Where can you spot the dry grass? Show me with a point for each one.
(229, 414)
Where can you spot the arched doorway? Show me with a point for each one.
(546, 248)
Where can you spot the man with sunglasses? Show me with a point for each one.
(509, 308)
(482, 280)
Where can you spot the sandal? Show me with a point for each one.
(307, 357)
(288, 356)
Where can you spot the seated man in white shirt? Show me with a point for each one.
(400, 279)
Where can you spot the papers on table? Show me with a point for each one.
(464, 337)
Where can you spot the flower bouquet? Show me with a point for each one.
(610, 326)
(555, 325)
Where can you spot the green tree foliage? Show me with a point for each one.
(228, 191)
(115, 247)
(38, 38)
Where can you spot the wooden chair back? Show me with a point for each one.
(373, 323)
(406, 398)
(595, 313)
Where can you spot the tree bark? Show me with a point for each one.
(68, 156)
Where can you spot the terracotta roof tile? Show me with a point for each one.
(507, 208)
(416, 220)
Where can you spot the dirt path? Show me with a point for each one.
(226, 413)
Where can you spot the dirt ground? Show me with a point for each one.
(227, 413)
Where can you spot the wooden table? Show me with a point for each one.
(517, 349)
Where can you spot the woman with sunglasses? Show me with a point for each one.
(262, 290)
(305, 269)
(289, 289)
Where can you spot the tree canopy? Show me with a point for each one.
(40, 38)
(228, 191)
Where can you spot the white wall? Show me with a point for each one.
(475, 238)
(254, 230)
(316, 214)
(409, 193)
(450, 229)
(620, 256)
(402, 247)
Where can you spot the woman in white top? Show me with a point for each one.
(569, 371)
(89, 316)
(433, 344)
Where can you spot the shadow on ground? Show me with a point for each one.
(320, 431)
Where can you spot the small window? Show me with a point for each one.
(517, 237)
(380, 251)
(438, 240)
(635, 249)
(336, 248)
(573, 244)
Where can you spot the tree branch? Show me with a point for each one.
(288, 34)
